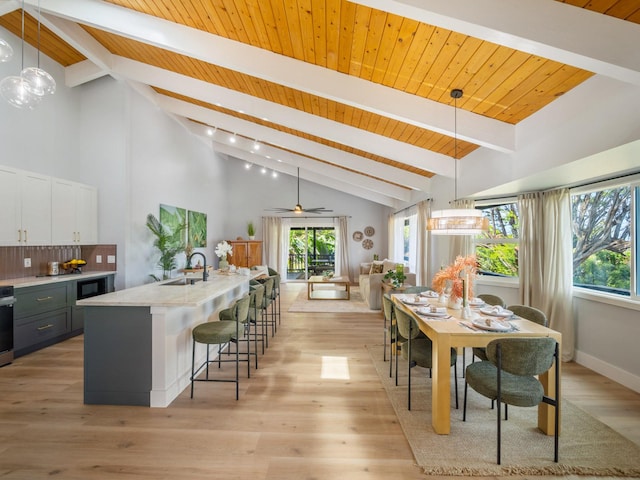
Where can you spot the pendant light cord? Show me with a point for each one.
(22, 53)
(456, 93)
(38, 33)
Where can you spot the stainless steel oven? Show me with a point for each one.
(91, 287)
(6, 325)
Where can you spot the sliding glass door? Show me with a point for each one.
(312, 249)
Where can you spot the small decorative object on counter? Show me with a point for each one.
(222, 250)
(251, 231)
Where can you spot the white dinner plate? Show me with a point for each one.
(502, 313)
(476, 302)
(411, 301)
(429, 294)
(491, 324)
(428, 313)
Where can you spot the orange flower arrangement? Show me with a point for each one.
(452, 273)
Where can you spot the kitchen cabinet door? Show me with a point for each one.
(74, 207)
(25, 217)
(10, 216)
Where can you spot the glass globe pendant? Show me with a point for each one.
(38, 82)
(15, 92)
(6, 52)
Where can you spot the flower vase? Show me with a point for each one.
(223, 264)
(455, 303)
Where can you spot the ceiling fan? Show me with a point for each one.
(298, 208)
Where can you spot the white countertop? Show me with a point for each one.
(160, 295)
(44, 280)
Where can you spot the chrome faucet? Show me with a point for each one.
(205, 274)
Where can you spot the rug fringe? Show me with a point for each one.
(512, 470)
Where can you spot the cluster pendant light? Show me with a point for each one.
(27, 89)
(457, 221)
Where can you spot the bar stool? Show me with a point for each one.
(221, 333)
(240, 313)
(276, 293)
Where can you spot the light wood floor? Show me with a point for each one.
(292, 421)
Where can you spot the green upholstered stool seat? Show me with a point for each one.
(214, 333)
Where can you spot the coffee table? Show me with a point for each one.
(323, 294)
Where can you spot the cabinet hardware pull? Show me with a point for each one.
(43, 299)
(25, 235)
(19, 235)
(44, 327)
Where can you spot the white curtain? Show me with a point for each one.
(275, 245)
(422, 243)
(342, 248)
(546, 260)
(391, 236)
(461, 245)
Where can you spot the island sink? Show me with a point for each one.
(183, 281)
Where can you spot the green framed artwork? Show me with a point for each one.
(197, 229)
(174, 220)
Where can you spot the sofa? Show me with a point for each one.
(371, 278)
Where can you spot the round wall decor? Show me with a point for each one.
(369, 231)
(367, 244)
(357, 236)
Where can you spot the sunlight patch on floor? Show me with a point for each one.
(335, 368)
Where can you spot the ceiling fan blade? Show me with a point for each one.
(298, 208)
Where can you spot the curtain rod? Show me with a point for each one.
(297, 216)
(411, 206)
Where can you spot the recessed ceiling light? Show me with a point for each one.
(264, 170)
(274, 174)
(233, 138)
(247, 166)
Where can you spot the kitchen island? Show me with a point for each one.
(137, 341)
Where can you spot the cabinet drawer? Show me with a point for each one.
(40, 328)
(35, 300)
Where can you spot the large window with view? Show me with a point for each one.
(602, 239)
(497, 249)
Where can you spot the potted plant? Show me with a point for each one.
(396, 277)
(251, 231)
(169, 243)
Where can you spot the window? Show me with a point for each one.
(497, 249)
(311, 251)
(602, 238)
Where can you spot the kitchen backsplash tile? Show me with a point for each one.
(12, 258)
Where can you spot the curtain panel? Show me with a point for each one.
(546, 260)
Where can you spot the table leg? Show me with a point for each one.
(441, 384)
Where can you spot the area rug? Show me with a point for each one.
(355, 305)
(587, 446)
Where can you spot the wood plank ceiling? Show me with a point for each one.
(423, 62)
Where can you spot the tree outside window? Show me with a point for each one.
(601, 226)
(497, 249)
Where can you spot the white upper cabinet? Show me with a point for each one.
(74, 208)
(25, 218)
(40, 210)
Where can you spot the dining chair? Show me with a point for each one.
(492, 300)
(416, 289)
(530, 313)
(417, 351)
(509, 376)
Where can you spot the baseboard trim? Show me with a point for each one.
(610, 371)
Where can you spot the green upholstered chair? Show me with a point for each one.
(416, 289)
(221, 333)
(530, 313)
(257, 325)
(388, 332)
(239, 312)
(509, 376)
(417, 351)
(276, 293)
(489, 299)
(267, 303)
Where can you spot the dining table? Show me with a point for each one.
(457, 328)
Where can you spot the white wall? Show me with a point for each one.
(251, 193)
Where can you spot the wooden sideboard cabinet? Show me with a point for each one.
(246, 253)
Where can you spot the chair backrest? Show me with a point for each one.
(387, 307)
(530, 313)
(406, 324)
(241, 309)
(523, 356)
(416, 289)
(490, 299)
(258, 295)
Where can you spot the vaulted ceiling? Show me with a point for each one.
(355, 93)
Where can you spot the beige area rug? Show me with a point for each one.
(354, 305)
(587, 446)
